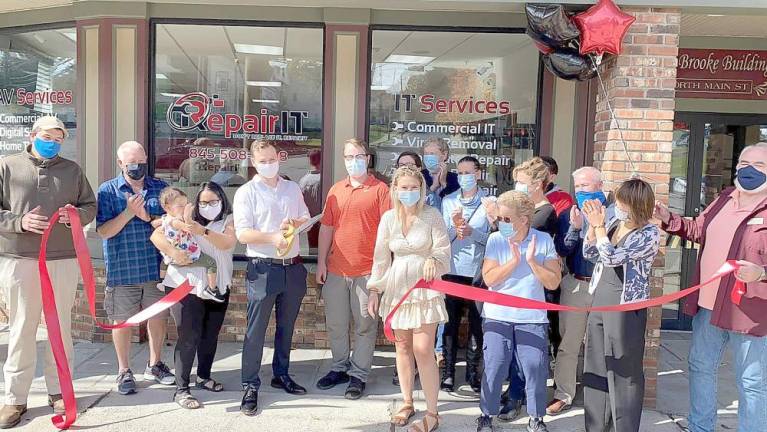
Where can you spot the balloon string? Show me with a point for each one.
(617, 124)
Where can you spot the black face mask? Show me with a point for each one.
(136, 171)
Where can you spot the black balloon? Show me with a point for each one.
(549, 24)
(568, 64)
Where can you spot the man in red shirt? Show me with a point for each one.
(558, 198)
(353, 210)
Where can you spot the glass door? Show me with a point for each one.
(704, 154)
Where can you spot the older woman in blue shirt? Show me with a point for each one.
(523, 262)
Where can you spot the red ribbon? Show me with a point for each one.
(89, 285)
(738, 291)
(494, 297)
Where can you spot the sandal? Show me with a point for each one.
(425, 428)
(185, 400)
(209, 385)
(402, 418)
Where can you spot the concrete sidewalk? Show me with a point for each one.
(151, 409)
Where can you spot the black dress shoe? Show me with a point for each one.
(249, 404)
(475, 382)
(332, 379)
(286, 383)
(355, 389)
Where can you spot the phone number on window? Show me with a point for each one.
(218, 153)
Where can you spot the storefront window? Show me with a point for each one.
(219, 88)
(37, 78)
(477, 91)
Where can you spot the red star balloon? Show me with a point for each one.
(603, 27)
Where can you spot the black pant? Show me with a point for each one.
(271, 286)
(554, 336)
(454, 306)
(198, 323)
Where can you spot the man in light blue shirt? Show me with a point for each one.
(519, 261)
(468, 229)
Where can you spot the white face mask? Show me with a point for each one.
(268, 170)
(210, 212)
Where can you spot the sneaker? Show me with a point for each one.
(56, 401)
(485, 424)
(475, 382)
(249, 405)
(212, 294)
(355, 389)
(332, 379)
(556, 406)
(10, 415)
(126, 383)
(447, 384)
(160, 374)
(536, 425)
(511, 410)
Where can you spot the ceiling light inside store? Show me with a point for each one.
(715, 15)
(409, 59)
(160, 76)
(70, 35)
(264, 83)
(258, 49)
(173, 95)
(379, 87)
(266, 101)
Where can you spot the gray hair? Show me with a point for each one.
(128, 145)
(439, 142)
(588, 170)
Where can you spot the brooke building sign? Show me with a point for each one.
(722, 74)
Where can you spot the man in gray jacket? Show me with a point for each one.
(34, 184)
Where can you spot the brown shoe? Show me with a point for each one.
(556, 406)
(440, 360)
(10, 415)
(57, 403)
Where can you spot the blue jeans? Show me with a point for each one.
(438, 348)
(750, 361)
(506, 343)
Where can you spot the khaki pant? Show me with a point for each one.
(346, 299)
(20, 282)
(572, 327)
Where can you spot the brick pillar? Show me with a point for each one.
(640, 86)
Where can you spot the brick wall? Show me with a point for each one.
(640, 85)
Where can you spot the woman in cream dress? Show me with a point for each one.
(412, 244)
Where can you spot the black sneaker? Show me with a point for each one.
(475, 382)
(160, 374)
(395, 379)
(447, 384)
(485, 424)
(249, 405)
(332, 379)
(511, 410)
(536, 425)
(212, 294)
(355, 389)
(126, 383)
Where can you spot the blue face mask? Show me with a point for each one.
(507, 229)
(749, 178)
(521, 187)
(46, 149)
(582, 197)
(467, 181)
(431, 162)
(409, 198)
(356, 167)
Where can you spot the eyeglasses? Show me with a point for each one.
(408, 164)
(206, 204)
(504, 219)
(357, 156)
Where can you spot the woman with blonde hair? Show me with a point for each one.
(412, 244)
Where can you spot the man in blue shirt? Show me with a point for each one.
(575, 286)
(127, 204)
(468, 229)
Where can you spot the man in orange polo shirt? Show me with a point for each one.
(353, 210)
